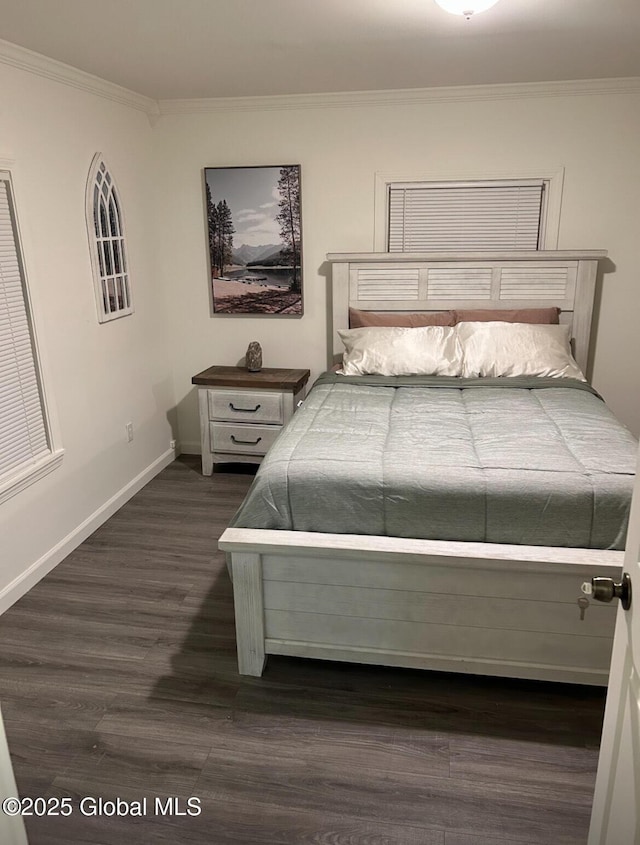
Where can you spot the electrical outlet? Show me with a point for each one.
(129, 430)
(172, 444)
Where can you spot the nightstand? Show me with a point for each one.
(242, 413)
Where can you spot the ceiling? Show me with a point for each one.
(170, 49)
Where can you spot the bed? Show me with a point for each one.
(486, 594)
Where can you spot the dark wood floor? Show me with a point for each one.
(118, 678)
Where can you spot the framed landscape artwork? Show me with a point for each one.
(255, 239)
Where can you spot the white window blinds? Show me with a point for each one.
(453, 216)
(24, 439)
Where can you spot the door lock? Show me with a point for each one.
(606, 589)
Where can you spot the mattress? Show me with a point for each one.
(530, 461)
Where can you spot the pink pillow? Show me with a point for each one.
(542, 316)
(365, 319)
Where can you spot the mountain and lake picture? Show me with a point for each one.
(255, 239)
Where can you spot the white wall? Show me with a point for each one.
(594, 137)
(98, 377)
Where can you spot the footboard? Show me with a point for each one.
(465, 607)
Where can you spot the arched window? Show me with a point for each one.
(107, 244)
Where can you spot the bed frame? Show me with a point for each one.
(481, 608)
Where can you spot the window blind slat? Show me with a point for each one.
(13, 463)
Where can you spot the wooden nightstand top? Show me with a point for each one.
(269, 378)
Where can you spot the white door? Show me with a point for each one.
(12, 830)
(615, 819)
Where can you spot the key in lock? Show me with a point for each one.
(583, 604)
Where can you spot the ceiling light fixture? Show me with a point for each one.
(466, 7)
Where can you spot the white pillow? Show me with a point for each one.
(395, 351)
(516, 349)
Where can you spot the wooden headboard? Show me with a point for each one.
(410, 282)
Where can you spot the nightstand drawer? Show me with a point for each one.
(243, 405)
(242, 439)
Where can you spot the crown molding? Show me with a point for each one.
(20, 57)
(403, 97)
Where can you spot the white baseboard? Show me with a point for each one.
(26, 580)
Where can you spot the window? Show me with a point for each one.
(423, 214)
(107, 244)
(26, 451)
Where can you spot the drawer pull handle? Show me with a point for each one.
(244, 410)
(245, 442)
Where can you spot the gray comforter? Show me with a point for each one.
(528, 461)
